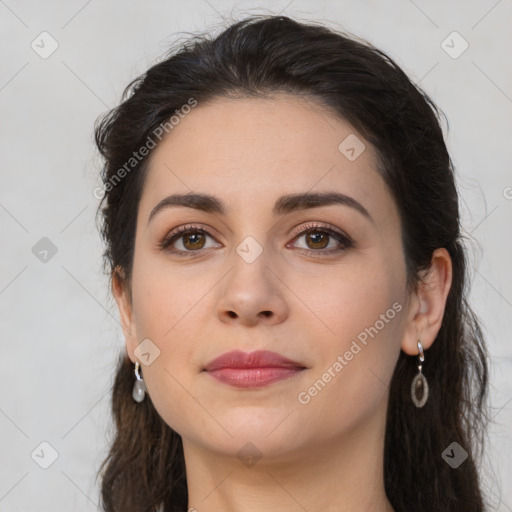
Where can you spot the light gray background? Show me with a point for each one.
(60, 331)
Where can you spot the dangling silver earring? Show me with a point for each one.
(419, 386)
(139, 388)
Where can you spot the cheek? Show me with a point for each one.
(164, 299)
(345, 301)
(362, 312)
(167, 312)
(351, 380)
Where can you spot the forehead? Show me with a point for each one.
(252, 150)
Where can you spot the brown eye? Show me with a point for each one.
(193, 241)
(317, 240)
(185, 241)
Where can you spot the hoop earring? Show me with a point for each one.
(419, 384)
(139, 388)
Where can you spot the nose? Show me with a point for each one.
(253, 293)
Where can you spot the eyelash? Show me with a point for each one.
(342, 238)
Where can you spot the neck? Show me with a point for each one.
(343, 474)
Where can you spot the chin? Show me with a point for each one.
(251, 445)
(271, 432)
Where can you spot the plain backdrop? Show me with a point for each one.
(60, 329)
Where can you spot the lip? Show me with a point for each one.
(250, 370)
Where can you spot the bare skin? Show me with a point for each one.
(301, 449)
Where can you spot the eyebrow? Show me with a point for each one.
(284, 205)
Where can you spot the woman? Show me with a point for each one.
(282, 235)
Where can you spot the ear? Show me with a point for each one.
(427, 304)
(121, 292)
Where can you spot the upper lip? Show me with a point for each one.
(256, 359)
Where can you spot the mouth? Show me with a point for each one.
(252, 370)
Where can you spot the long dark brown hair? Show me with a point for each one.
(257, 56)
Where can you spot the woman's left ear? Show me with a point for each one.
(427, 303)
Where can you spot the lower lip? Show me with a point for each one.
(253, 377)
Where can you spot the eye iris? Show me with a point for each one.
(318, 237)
(188, 236)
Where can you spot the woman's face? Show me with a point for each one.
(249, 277)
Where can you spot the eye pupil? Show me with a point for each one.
(187, 237)
(319, 237)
